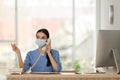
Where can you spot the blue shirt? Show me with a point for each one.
(41, 65)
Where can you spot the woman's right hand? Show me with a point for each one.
(15, 48)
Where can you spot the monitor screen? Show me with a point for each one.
(107, 40)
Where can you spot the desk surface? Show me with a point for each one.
(100, 76)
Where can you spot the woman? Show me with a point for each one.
(48, 60)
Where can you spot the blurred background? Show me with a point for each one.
(71, 24)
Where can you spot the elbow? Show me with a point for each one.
(21, 66)
(59, 68)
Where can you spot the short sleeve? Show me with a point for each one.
(27, 62)
(57, 59)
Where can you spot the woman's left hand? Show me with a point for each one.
(48, 47)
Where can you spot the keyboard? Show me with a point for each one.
(44, 72)
(96, 73)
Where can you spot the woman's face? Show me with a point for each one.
(41, 35)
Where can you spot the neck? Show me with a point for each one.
(41, 51)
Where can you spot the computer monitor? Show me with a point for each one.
(108, 49)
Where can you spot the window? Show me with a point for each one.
(7, 20)
(71, 24)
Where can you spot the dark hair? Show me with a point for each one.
(45, 31)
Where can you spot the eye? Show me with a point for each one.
(37, 37)
(43, 37)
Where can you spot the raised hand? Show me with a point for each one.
(15, 48)
(17, 51)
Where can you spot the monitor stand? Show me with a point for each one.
(116, 57)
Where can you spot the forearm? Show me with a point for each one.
(53, 62)
(21, 65)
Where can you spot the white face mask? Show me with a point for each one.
(40, 42)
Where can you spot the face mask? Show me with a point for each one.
(40, 42)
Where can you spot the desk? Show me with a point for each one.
(64, 77)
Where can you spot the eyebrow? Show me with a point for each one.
(43, 37)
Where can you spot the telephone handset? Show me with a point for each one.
(44, 47)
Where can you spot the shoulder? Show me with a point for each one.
(54, 52)
(32, 52)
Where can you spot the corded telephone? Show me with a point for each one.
(44, 47)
